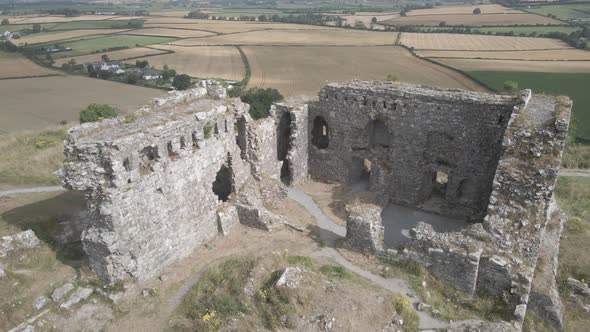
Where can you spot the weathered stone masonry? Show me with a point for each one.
(192, 165)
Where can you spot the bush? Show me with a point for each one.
(182, 82)
(477, 11)
(510, 86)
(97, 112)
(260, 101)
(391, 77)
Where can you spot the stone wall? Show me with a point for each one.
(149, 182)
(408, 133)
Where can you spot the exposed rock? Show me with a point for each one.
(2, 272)
(423, 306)
(40, 302)
(520, 312)
(20, 241)
(80, 294)
(291, 277)
(62, 291)
(326, 323)
(578, 287)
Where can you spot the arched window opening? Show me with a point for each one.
(320, 133)
(378, 134)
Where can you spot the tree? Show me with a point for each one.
(510, 86)
(5, 22)
(105, 74)
(260, 101)
(359, 25)
(132, 78)
(97, 112)
(168, 73)
(105, 58)
(141, 63)
(442, 24)
(391, 77)
(477, 11)
(36, 27)
(374, 20)
(182, 82)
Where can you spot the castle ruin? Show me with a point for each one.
(190, 166)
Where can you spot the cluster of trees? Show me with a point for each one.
(63, 11)
(577, 39)
(5, 22)
(309, 18)
(260, 101)
(197, 14)
(182, 82)
(408, 8)
(97, 112)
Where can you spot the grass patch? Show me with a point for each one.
(303, 261)
(573, 85)
(576, 156)
(32, 157)
(218, 295)
(91, 45)
(272, 303)
(409, 316)
(335, 272)
(573, 196)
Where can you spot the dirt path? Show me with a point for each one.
(330, 232)
(30, 190)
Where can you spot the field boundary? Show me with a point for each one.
(29, 76)
(488, 87)
(532, 49)
(247, 68)
(507, 59)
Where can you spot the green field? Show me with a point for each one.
(90, 45)
(15, 27)
(106, 24)
(569, 11)
(573, 85)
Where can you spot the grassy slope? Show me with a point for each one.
(573, 85)
(564, 11)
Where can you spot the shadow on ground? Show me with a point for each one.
(56, 221)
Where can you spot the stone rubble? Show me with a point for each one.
(78, 295)
(290, 277)
(20, 241)
(62, 291)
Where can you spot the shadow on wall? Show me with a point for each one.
(56, 221)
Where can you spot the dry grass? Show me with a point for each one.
(202, 61)
(447, 41)
(53, 36)
(297, 37)
(114, 55)
(11, 67)
(446, 10)
(473, 20)
(30, 158)
(35, 103)
(304, 70)
(182, 33)
(517, 65)
(571, 54)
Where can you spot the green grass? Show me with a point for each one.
(569, 11)
(302, 261)
(574, 85)
(15, 27)
(576, 156)
(335, 272)
(219, 294)
(9, 55)
(84, 46)
(115, 24)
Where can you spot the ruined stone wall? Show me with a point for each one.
(296, 139)
(408, 133)
(149, 183)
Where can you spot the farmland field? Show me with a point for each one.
(90, 45)
(567, 11)
(13, 65)
(574, 85)
(136, 52)
(566, 54)
(447, 41)
(447, 10)
(35, 103)
(304, 70)
(526, 30)
(225, 26)
(75, 25)
(473, 20)
(58, 19)
(181, 33)
(55, 36)
(201, 61)
(366, 19)
(325, 37)
(518, 65)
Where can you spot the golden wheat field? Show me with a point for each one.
(165, 32)
(446, 10)
(130, 53)
(518, 65)
(325, 37)
(304, 70)
(45, 37)
(473, 20)
(447, 41)
(201, 61)
(12, 67)
(565, 54)
(35, 103)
